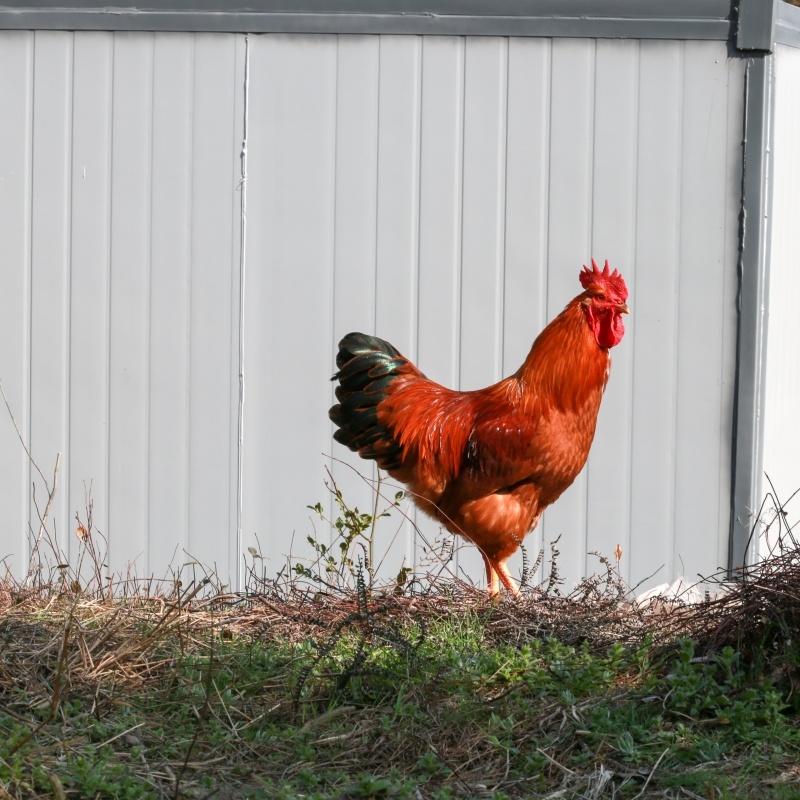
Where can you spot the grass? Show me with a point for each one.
(324, 685)
(351, 695)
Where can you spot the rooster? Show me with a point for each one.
(486, 463)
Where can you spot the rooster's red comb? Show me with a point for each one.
(609, 281)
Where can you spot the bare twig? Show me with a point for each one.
(21, 440)
(50, 492)
(45, 516)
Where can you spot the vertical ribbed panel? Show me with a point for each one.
(16, 143)
(652, 329)
(51, 242)
(88, 341)
(705, 308)
(129, 301)
(214, 302)
(290, 258)
(781, 422)
(170, 283)
(442, 192)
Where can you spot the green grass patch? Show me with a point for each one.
(355, 697)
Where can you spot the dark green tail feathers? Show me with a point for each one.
(367, 365)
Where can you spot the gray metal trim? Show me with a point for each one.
(756, 24)
(748, 433)
(787, 25)
(678, 19)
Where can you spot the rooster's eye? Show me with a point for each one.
(601, 297)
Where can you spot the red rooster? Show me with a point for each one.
(486, 463)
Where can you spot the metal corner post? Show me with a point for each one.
(755, 30)
(753, 267)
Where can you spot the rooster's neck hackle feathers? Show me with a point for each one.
(565, 364)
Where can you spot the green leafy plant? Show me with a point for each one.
(335, 564)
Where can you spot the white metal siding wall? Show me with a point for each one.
(444, 192)
(119, 167)
(781, 422)
(441, 191)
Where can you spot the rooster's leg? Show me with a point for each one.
(497, 573)
(505, 576)
(492, 578)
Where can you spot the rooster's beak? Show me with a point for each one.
(623, 309)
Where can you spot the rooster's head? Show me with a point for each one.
(604, 303)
